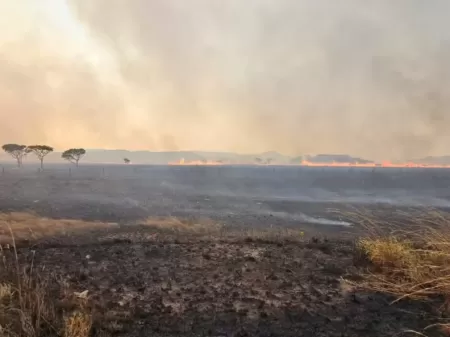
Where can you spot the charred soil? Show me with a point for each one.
(144, 281)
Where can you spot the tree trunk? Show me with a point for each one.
(19, 163)
(42, 163)
(76, 163)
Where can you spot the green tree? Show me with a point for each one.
(16, 151)
(73, 155)
(40, 151)
(126, 160)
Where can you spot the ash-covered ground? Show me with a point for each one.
(235, 196)
(148, 279)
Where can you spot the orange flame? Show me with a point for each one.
(384, 164)
(182, 162)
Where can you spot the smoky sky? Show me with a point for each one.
(368, 78)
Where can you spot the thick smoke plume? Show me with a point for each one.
(369, 78)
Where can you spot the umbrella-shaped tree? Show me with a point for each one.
(73, 155)
(40, 151)
(16, 151)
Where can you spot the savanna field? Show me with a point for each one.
(196, 251)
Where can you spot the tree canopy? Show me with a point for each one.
(40, 151)
(16, 151)
(73, 155)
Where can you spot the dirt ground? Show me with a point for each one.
(180, 279)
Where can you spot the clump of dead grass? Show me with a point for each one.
(408, 258)
(178, 225)
(27, 303)
(388, 252)
(77, 324)
(30, 226)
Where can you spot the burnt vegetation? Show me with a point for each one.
(173, 277)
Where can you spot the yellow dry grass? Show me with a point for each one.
(78, 324)
(209, 229)
(29, 226)
(409, 258)
(388, 252)
(27, 308)
(179, 225)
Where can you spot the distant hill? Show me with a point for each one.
(433, 160)
(336, 158)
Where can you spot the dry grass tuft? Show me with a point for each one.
(411, 258)
(27, 301)
(408, 257)
(29, 226)
(388, 252)
(78, 324)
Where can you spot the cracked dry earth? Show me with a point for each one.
(181, 285)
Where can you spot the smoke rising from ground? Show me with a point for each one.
(367, 78)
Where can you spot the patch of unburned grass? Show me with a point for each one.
(29, 226)
(210, 230)
(410, 261)
(179, 225)
(408, 258)
(388, 252)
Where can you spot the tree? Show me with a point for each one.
(40, 151)
(126, 160)
(16, 151)
(73, 155)
(258, 160)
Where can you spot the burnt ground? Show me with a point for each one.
(148, 282)
(226, 283)
(236, 196)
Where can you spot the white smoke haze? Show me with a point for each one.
(369, 78)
